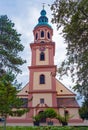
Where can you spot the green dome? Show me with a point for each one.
(43, 12)
(43, 20)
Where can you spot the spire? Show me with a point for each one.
(43, 20)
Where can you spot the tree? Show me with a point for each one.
(36, 119)
(10, 47)
(63, 119)
(49, 113)
(9, 99)
(83, 111)
(72, 17)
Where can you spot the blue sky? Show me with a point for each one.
(25, 14)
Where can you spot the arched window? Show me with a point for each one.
(42, 56)
(36, 36)
(42, 33)
(42, 79)
(48, 34)
(66, 113)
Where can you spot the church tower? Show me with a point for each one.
(44, 89)
(42, 69)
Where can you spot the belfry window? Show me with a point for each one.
(42, 33)
(36, 36)
(42, 56)
(42, 79)
(48, 34)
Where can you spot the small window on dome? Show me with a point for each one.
(42, 20)
(36, 36)
(42, 33)
(48, 35)
(45, 20)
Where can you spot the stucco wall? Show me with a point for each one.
(47, 99)
(61, 89)
(73, 112)
(46, 61)
(37, 85)
(23, 91)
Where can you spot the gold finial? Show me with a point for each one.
(43, 5)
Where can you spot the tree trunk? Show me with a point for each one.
(4, 123)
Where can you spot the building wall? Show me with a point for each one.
(46, 61)
(37, 85)
(47, 99)
(61, 89)
(73, 112)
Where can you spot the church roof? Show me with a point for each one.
(43, 20)
(67, 102)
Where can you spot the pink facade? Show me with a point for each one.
(47, 92)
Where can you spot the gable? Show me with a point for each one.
(62, 90)
(24, 90)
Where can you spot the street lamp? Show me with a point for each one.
(64, 113)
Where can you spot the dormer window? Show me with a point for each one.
(42, 33)
(42, 56)
(48, 34)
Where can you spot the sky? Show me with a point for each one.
(25, 14)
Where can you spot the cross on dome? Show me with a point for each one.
(43, 5)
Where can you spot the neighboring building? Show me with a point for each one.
(46, 90)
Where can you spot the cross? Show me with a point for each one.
(43, 5)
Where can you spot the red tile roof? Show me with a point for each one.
(67, 102)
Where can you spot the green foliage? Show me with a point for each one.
(63, 119)
(83, 111)
(37, 118)
(10, 47)
(44, 128)
(8, 97)
(72, 16)
(49, 113)
(18, 112)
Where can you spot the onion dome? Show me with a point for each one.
(43, 20)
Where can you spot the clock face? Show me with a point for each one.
(42, 48)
